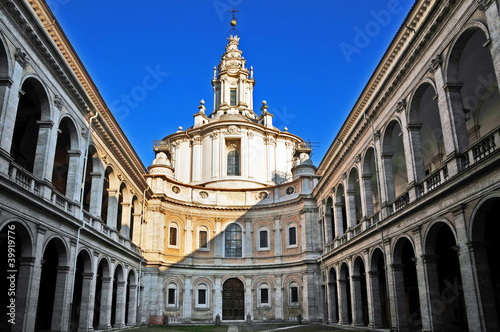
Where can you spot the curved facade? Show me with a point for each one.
(395, 229)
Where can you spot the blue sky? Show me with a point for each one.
(311, 59)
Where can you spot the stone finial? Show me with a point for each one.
(251, 72)
(202, 107)
(264, 106)
(180, 129)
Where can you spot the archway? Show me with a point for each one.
(354, 198)
(131, 300)
(426, 135)
(81, 292)
(32, 108)
(118, 299)
(101, 302)
(378, 284)
(370, 184)
(333, 300)
(360, 293)
(52, 286)
(65, 161)
(340, 211)
(444, 279)
(394, 161)
(233, 300)
(329, 220)
(345, 305)
(406, 285)
(16, 236)
(476, 103)
(486, 250)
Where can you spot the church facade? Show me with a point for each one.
(395, 229)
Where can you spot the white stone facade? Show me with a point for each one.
(395, 229)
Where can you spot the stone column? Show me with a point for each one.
(248, 241)
(86, 305)
(121, 297)
(32, 304)
(332, 302)
(484, 286)
(9, 99)
(351, 208)
(217, 297)
(44, 157)
(423, 287)
(248, 298)
(388, 176)
(73, 182)
(26, 265)
(374, 305)
(356, 301)
(126, 210)
(454, 98)
(96, 194)
(215, 155)
(135, 237)
(366, 195)
(187, 299)
(398, 298)
(339, 220)
(106, 298)
(61, 307)
(112, 207)
(132, 306)
(417, 155)
(468, 273)
(196, 162)
(343, 310)
(434, 301)
(217, 241)
(278, 244)
(278, 300)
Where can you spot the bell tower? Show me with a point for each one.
(233, 83)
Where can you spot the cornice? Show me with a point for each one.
(107, 127)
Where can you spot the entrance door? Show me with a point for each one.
(233, 300)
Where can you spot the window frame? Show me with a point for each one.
(197, 304)
(292, 285)
(172, 286)
(198, 239)
(260, 247)
(288, 228)
(231, 90)
(177, 237)
(261, 304)
(242, 241)
(233, 145)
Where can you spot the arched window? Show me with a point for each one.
(233, 157)
(173, 235)
(172, 295)
(263, 239)
(292, 235)
(293, 294)
(233, 241)
(264, 295)
(203, 238)
(202, 298)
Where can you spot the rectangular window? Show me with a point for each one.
(264, 295)
(233, 97)
(203, 239)
(294, 294)
(173, 236)
(292, 236)
(202, 296)
(263, 239)
(171, 296)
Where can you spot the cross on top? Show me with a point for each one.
(233, 12)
